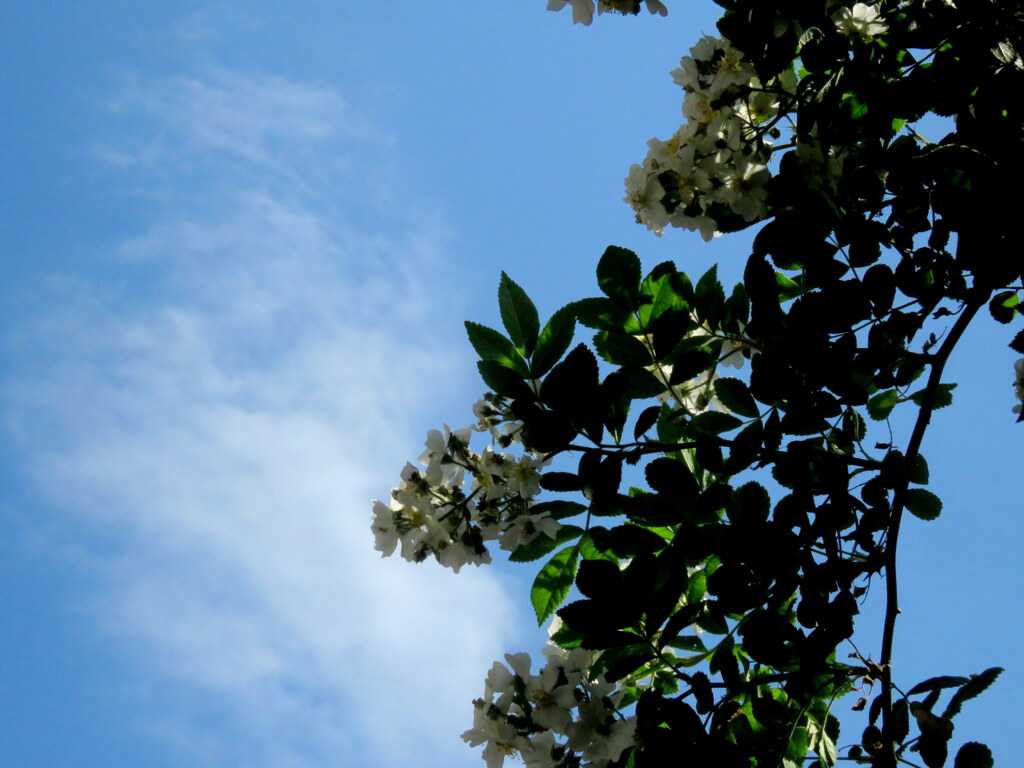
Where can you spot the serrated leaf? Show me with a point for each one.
(712, 423)
(796, 748)
(709, 295)
(1003, 306)
(1017, 345)
(922, 503)
(976, 686)
(943, 396)
(552, 584)
(919, 471)
(590, 551)
(622, 349)
(504, 381)
(618, 276)
(974, 755)
(600, 313)
(735, 396)
(555, 339)
(518, 315)
(543, 544)
(492, 345)
(881, 404)
(937, 683)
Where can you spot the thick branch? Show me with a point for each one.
(899, 499)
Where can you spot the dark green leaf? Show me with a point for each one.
(712, 423)
(504, 381)
(976, 686)
(709, 296)
(600, 313)
(622, 349)
(552, 584)
(647, 419)
(518, 315)
(543, 544)
(974, 755)
(1004, 306)
(735, 396)
(881, 404)
(557, 508)
(618, 275)
(561, 482)
(687, 643)
(491, 345)
(943, 396)
(935, 683)
(919, 471)
(923, 503)
(590, 551)
(1017, 345)
(554, 341)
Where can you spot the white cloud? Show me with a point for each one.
(230, 415)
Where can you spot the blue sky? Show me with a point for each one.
(239, 241)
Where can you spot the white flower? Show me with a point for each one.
(582, 10)
(860, 21)
(598, 735)
(385, 533)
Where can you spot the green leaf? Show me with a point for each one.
(919, 470)
(922, 503)
(618, 275)
(518, 315)
(561, 482)
(976, 686)
(600, 313)
(552, 584)
(712, 423)
(491, 345)
(1004, 306)
(590, 551)
(557, 508)
(543, 544)
(943, 396)
(881, 404)
(822, 744)
(796, 748)
(974, 755)
(709, 295)
(648, 418)
(554, 341)
(622, 349)
(735, 396)
(687, 643)
(788, 289)
(504, 381)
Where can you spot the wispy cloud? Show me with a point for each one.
(230, 411)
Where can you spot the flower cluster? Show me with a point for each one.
(431, 512)
(554, 718)
(583, 10)
(714, 169)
